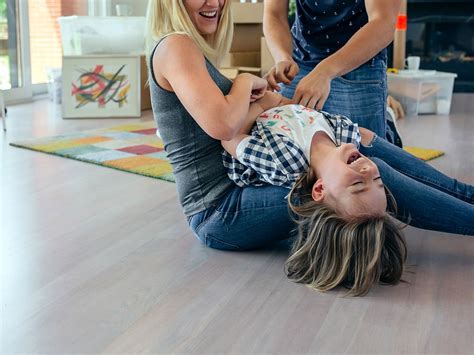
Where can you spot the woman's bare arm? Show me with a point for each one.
(180, 62)
(269, 100)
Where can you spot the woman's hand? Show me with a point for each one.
(259, 85)
(282, 72)
(313, 90)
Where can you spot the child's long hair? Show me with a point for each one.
(165, 17)
(330, 251)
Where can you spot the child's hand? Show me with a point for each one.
(270, 99)
(396, 107)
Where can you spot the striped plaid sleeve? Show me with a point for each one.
(267, 158)
(345, 130)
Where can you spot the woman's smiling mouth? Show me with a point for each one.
(208, 14)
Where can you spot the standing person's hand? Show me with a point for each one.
(282, 72)
(313, 90)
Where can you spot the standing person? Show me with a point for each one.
(334, 56)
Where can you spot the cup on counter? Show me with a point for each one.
(123, 9)
(413, 63)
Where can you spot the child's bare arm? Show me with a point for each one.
(366, 136)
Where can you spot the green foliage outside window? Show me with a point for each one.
(292, 8)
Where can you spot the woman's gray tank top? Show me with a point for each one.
(196, 157)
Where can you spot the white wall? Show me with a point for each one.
(138, 6)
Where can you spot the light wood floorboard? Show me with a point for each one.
(95, 260)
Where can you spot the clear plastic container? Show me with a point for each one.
(82, 35)
(54, 84)
(422, 91)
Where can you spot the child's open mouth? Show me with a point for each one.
(208, 14)
(354, 157)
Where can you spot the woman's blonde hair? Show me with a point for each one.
(165, 17)
(330, 251)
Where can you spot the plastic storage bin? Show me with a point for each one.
(422, 91)
(54, 84)
(82, 35)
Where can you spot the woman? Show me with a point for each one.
(195, 107)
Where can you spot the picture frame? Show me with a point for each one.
(96, 86)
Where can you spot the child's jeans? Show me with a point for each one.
(425, 197)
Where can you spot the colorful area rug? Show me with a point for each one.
(130, 147)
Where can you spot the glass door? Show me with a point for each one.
(15, 75)
(31, 43)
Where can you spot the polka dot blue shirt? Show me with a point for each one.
(321, 27)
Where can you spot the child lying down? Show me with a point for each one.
(346, 233)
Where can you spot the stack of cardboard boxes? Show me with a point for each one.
(248, 51)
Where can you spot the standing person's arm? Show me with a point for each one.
(278, 36)
(313, 90)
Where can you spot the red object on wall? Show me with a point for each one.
(402, 22)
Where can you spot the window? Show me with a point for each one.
(45, 36)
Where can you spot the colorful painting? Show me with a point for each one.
(101, 86)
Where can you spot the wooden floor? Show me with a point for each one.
(95, 260)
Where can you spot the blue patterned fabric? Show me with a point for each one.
(322, 27)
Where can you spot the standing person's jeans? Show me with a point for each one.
(255, 217)
(360, 94)
(425, 197)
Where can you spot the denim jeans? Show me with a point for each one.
(425, 197)
(360, 94)
(245, 218)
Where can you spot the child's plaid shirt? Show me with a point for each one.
(273, 158)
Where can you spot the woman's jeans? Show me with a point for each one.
(255, 217)
(360, 94)
(246, 218)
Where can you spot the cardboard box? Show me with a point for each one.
(251, 70)
(245, 59)
(145, 94)
(266, 58)
(247, 38)
(231, 73)
(247, 12)
(244, 56)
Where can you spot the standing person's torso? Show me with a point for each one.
(196, 158)
(322, 27)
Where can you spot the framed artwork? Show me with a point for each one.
(101, 86)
